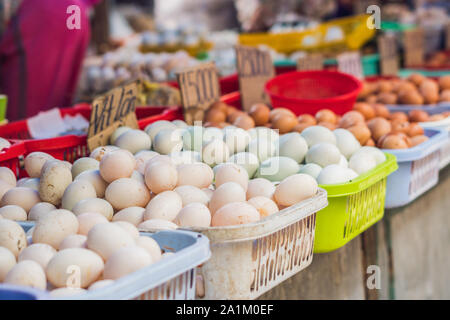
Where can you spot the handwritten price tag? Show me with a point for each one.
(413, 42)
(387, 45)
(310, 62)
(350, 62)
(255, 68)
(110, 111)
(199, 86)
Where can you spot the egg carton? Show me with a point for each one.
(248, 260)
(171, 278)
(418, 170)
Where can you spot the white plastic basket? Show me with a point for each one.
(445, 147)
(418, 170)
(248, 260)
(171, 278)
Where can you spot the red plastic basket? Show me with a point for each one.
(72, 147)
(11, 157)
(310, 91)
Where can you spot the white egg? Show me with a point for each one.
(333, 174)
(153, 129)
(230, 172)
(226, 193)
(134, 141)
(160, 177)
(117, 133)
(199, 175)
(346, 142)
(84, 164)
(142, 158)
(193, 138)
(260, 187)
(154, 225)
(380, 157)
(38, 252)
(100, 284)
(165, 205)
(8, 176)
(265, 206)
(12, 236)
(277, 168)
(362, 162)
(88, 220)
(151, 246)
(54, 226)
(247, 160)
(134, 215)
(127, 192)
(318, 134)
(237, 140)
(194, 215)
(94, 178)
(106, 238)
(191, 194)
(323, 154)
(168, 141)
(27, 273)
(7, 262)
(215, 152)
(262, 148)
(13, 212)
(125, 261)
(295, 189)
(128, 227)
(75, 192)
(343, 162)
(73, 241)
(293, 145)
(311, 169)
(212, 133)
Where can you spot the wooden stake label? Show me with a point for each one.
(199, 87)
(387, 46)
(310, 62)
(110, 111)
(255, 68)
(413, 42)
(350, 62)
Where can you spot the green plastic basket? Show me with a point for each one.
(3, 106)
(352, 207)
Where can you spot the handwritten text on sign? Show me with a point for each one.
(255, 68)
(114, 109)
(199, 86)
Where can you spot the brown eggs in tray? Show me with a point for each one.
(414, 90)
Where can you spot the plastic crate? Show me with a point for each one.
(310, 91)
(353, 207)
(11, 157)
(418, 170)
(445, 147)
(12, 292)
(248, 260)
(72, 147)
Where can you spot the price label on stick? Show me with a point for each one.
(255, 68)
(350, 62)
(310, 62)
(199, 86)
(413, 42)
(387, 45)
(110, 111)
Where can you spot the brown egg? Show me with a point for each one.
(231, 118)
(416, 140)
(365, 109)
(231, 110)
(430, 91)
(361, 133)
(284, 123)
(387, 98)
(379, 127)
(244, 121)
(277, 111)
(351, 119)
(326, 115)
(445, 96)
(436, 117)
(406, 85)
(444, 82)
(307, 118)
(301, 126)
(372, 98)
(405, 138)
(410, 97)
(418, 116)
(370, 143)
(215, 115)
(399, 126)
(384, 86)
(394, 142)
(260, 113)
(416, 78)
(399, 116)
(328, 125)
(219, 105)
(414, 129)
(381, 110)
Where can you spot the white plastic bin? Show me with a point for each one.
(250, 259)
(171, 278)
(445, 147)
(418, 170)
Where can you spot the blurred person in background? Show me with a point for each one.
(40, 57)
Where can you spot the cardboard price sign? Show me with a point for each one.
(110, 111)
(413, 42)
(350, 62)
(387, 45)
(199, 87)
(255, 68)
(310, 62)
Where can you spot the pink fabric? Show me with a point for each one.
(40, 58)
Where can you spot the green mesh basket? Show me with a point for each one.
(352, 207)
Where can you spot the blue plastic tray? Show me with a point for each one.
(431, 108)
(418, 170)
(11, 292)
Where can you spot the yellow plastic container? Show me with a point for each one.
(345, 33)
(352, 207)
